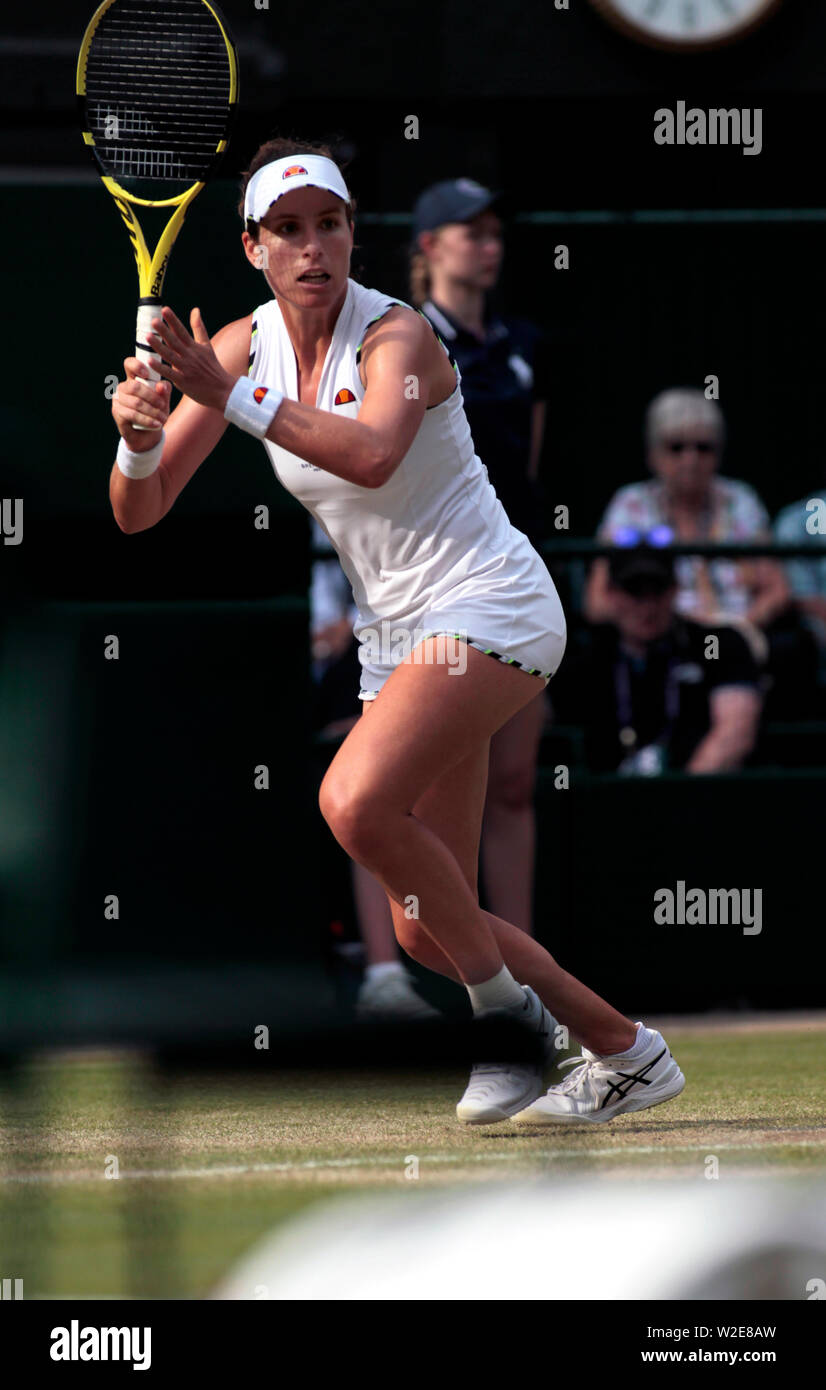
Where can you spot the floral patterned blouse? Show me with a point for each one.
(734, 512)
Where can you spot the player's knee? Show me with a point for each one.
(354, 818)
(333, 803)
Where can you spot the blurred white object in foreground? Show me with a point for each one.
(583, 1239)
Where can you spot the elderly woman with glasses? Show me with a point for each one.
(685, 434)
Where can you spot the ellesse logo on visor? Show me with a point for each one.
(293, 169)
(343, 397)
(259, 393)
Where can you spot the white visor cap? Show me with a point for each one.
(281, 176)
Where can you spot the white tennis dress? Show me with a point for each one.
(432, 549)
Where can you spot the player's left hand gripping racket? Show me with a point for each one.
(157, 83)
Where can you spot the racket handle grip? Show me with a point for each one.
(144, 354)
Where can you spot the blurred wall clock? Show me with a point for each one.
(686, 24)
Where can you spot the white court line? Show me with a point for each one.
(319, 1164)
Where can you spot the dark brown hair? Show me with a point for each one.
(280, 148)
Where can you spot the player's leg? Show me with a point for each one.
(452, 807)
(602, 1085)
(425, 721)
(422, 734)
(424, 745)
(509, 827)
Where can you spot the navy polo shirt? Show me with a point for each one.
(585, 689)
(502, 377)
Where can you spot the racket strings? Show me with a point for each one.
(158, 86)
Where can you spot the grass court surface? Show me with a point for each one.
(209, 1163)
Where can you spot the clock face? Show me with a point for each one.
(686, 23)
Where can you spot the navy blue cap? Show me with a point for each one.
(642, 566)
(453, 200)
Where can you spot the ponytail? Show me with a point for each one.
(419, 275)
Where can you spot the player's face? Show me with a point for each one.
(470, 253)
(645, 616)
(685, 457)
(304, 247)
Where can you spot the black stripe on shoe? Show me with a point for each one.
(632, 1078)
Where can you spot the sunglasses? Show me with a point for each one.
(627, 536)
(679, 446)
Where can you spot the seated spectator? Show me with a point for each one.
(649, 691)
(685, 434)
(796, 524)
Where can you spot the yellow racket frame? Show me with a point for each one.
(151, 268)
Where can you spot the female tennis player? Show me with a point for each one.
(359, 406)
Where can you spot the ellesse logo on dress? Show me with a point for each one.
(343, 397)
(259, 393)
(293, 169)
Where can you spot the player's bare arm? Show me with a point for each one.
(192, 431)
(400, 369)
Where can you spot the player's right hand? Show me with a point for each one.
(143, 402)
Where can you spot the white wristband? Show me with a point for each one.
(252, 406)
(143, 465)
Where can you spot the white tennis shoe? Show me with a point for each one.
(599, 1088)
(497, 1090)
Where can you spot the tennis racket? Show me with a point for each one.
(157, 84)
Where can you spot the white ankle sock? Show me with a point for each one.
(641, 1042)
(383, 969)
(500, 992)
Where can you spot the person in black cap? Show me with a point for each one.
(652, 692)
(504, 363)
